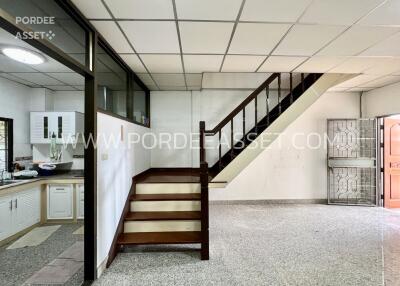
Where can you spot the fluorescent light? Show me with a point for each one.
(23, 55)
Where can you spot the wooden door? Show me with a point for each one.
(392, 163)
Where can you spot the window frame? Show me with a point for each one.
(9, 143)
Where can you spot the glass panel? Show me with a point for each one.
(50, 22)
(140, 105)
(112, 84)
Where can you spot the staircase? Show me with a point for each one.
(170, 206)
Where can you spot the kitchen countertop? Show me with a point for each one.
(69, 175)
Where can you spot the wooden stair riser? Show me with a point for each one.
(162, 226)
(167, 188)
(169, 206)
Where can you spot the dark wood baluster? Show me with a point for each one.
(302, 82)
(279, 94)
(244, 121)
(291, 88)
(232, 139)
(219, 149)
(255, 114)
(201, 139)
(267, 102)
(204, 211)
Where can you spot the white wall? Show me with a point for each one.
(382, 101)
(286, 172)
(116, 165)
(181, 111)
(69, 101)
(16, 104)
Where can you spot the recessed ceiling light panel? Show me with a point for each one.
(23, 55)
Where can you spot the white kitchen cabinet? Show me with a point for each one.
(80, 201)
(19, 212)
(6, 217)
(66, 126)
(60, 201)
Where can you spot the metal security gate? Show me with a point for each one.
(352, 162)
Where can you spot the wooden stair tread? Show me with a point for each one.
(159, 237)
(180, 215)
(166, 197)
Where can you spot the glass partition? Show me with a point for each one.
(112, 84)
(49, 21)
(140, 105)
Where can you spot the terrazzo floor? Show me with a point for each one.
(275, 245)
(18, 265)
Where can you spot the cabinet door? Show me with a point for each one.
(26, 209)
(40, 127)
(80, 200)
(59, 202)
(5, 217)
(66, 123)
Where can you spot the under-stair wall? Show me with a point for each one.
(288, 169)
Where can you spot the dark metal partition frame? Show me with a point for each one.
(8, 23)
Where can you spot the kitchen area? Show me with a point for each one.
(41, 168)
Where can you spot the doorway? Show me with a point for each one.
(390, 151)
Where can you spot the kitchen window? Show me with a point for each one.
(6, 144)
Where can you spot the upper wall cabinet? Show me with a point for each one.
(67, 127)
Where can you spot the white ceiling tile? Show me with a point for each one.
(69, 78)
(386, 14)
(38, 78)
(319, 64)
(194, 87)
(61, 87)
(358, 89)
(110, 31)
(357, 39)
(305, 40)
(152, 87)
(152, 36)
(234, 63)
(134, 63)
(257, 38)
(384, 66)
(202, 63)
(164, 80)
(273, 10)
(9, 65)
(141, 9)
(354, 65)
(18, 80)
(80, 87)
(338, 89)
(357, 81)
(163, 63)
(281, 64)
(93, 9)
(167, 87)
(338, 12)
(202, 38)
(193, 79)
(234, 80)
(146, 79)
(383, 81)
(208, 9)
(387, 47)
(52, 66)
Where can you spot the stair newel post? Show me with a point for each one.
(291, 88)
(279, 94)
(204, 211)
(201, 141)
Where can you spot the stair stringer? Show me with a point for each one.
(273, 131)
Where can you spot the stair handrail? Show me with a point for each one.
(242, 105)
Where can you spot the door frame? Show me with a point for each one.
(381, 158)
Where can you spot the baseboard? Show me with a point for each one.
(102, 267)
(269, 202)
(112, 253)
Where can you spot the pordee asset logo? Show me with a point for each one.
(35, 35)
